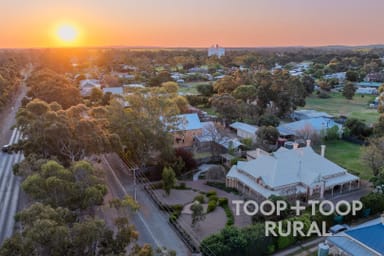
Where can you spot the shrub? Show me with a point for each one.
(198, 100)
(199, 198)
(211, 206)
(181, 186)
(285, 241)
(213, 198)
(221, 185)
(373, 201)
(228, 213)
(211, 193)
(172, 218)
(323, 95)
(230, 222)
(177, 207)
(223, 201)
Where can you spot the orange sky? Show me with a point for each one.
(197, 23)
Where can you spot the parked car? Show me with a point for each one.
(338, 228)
(6, 149)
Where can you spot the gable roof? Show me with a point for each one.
(245, 127)
(286, 167)
(317, 124)
(364, 239)
(187, 122)
(371, 236)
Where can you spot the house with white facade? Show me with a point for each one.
(291, 172)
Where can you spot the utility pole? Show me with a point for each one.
(134, 183)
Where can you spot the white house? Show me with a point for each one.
(216, 50)
(299, 171)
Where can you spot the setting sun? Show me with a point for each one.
(67, 34)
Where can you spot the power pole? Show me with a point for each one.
(134, 184)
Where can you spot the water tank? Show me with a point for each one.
(289, 144)
(323, 250)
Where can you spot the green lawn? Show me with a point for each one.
(347, 155)
(338, 105)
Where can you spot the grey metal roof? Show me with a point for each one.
(245, 127)
(294, 166)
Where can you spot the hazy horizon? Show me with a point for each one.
(192, 24)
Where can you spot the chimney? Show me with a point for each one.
(257, 153)
(295, 145)
(323, 150)
(308, 143)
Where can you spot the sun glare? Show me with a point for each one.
(67, 34)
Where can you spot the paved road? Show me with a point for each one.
(9, 189)
(152, 225)
(9, 184)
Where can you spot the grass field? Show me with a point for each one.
(347, 155)
(338, 105)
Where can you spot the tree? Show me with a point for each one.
(158, 79)
(216, 133)
(96, 96)
(308, 83)
(351, 76)
(373, 155)
(247, 93)
(197, 213)
(181, 103)
(267, 137)
(76, 188)
(143, 129)
(205, 89)
(169, 179)
(227, 106)
(49, 86)
(308, 133)
(170, 87)
(226, 84)
(70, 134)
(230, 241)
(357, 128)
(332, 133)
(268, 120)
(325, 85)
(349, 90)
(58, 231)
(378, 128)
(187, 157)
